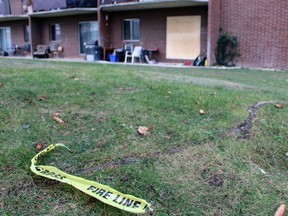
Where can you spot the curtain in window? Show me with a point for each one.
(135, 30)
(5, 38)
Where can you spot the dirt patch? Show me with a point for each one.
(130, 159)
(194, 80)
(127, 90)
(243, 130)
(216, 180)
(111, 165)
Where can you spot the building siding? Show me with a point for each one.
(153, 28)
(16, 7)
(69, 32)
(17, 31)
(261, 28)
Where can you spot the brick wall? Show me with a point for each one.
(69, 32)
(261, 28)
(36, 32)
(17, 31)
(16, 7)
(153, 27)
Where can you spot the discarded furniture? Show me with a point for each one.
(16, 50)
(149, 55)
(128, 48)
(56, 50)
(42, 51)
(26, 47)
(136, 53)
(59, 52)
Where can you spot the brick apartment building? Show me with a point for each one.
(174, 30)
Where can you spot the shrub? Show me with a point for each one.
(226, 50)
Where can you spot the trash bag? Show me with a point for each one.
(3, 53)
(199, 61)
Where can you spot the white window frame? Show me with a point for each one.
(57, 36)
(131, 39)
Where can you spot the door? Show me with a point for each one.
(5, 38)
(88, 32)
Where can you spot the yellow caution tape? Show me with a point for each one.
(102, 192)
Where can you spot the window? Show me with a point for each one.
(26, 32)
(131, 29)
(183, 37)
(55, 32)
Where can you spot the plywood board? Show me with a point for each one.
(183, 37)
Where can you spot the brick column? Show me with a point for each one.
(35, 33)
(214, 12)
(104, 26)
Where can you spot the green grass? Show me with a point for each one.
(187, 165)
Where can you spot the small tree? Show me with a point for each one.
(226, 50)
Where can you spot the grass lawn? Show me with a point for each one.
(188, 164)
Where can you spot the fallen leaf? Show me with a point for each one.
(39, 146)
(42, 98)
(59, 120)
(57, 114)
(143, 130)
(111, 167)
(7, 168)
(280, 211)
(279, 106)
(72, 206)
(66, 133)
(201, 112)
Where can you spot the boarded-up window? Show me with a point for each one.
(183, 37)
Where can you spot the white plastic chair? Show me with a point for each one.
(135, 54)
(128, 51)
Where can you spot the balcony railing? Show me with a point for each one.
(5, 7)
(46, 5)
(81, 3)
(105, 2)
